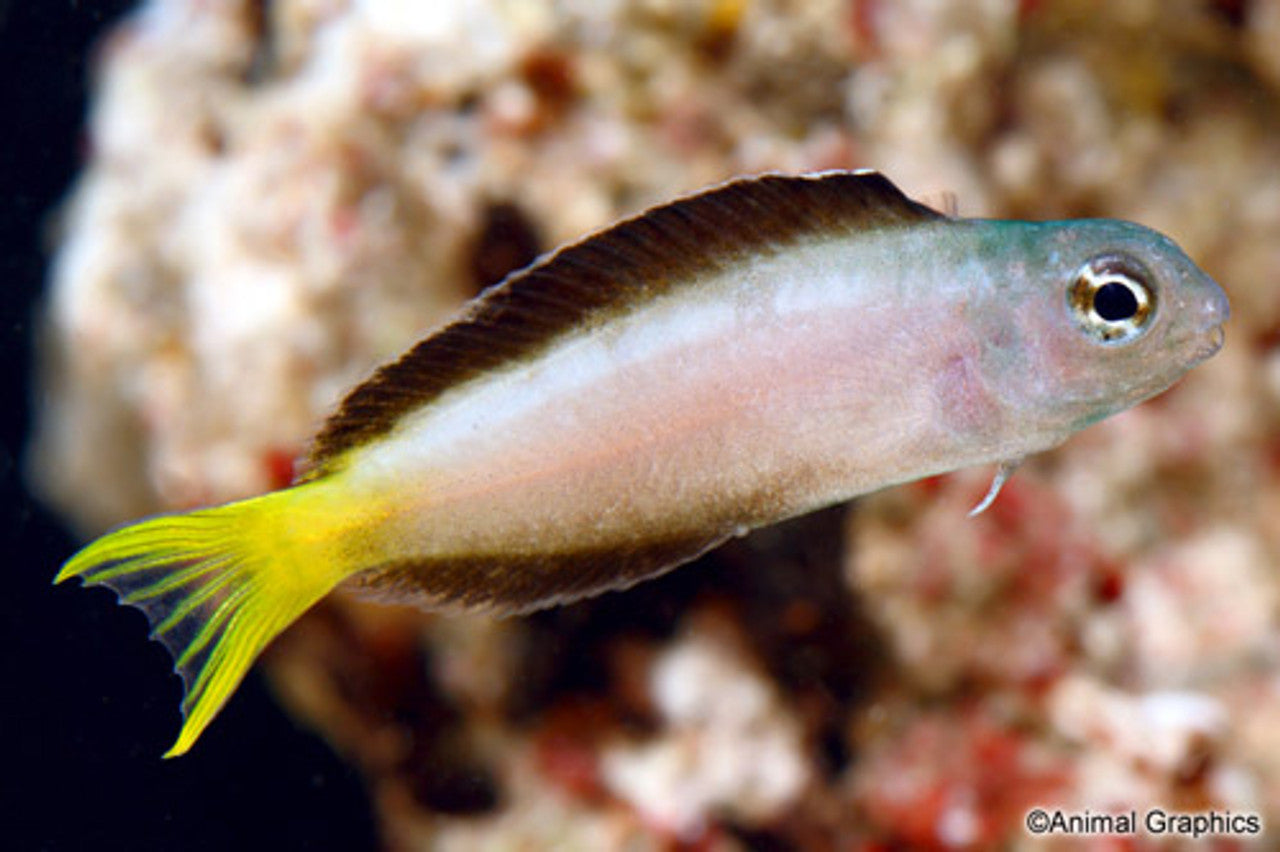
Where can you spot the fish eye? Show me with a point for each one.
(1112, 299)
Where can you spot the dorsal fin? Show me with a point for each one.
(665, 247)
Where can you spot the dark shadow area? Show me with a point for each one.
(87, 704)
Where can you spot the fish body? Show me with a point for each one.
(723, 362)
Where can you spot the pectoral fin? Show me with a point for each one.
(1003, 472)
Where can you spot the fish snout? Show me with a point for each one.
(1214, 312)
(1214, 309)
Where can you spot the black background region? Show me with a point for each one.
(87, 703)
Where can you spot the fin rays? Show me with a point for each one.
(217, 585)
(664, 248)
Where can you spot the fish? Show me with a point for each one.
(721, 362)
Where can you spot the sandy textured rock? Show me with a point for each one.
(281, 195)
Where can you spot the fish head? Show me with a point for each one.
(1111, 313)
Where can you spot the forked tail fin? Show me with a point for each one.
(217, 585)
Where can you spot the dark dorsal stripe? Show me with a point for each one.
(604, 274)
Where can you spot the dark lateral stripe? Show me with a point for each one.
(519, 583)
(604, 274)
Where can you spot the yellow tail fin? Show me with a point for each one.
(217, 585)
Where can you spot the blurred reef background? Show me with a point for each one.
(275, 197)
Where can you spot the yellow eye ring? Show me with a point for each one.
(1112, 300)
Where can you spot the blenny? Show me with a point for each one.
(721, 362)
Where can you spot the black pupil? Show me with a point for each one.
(1115, 302)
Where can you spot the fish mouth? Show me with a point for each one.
(1209, 345)
(1210, 332)
(1209, 319)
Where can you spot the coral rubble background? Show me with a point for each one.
(278, 196)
